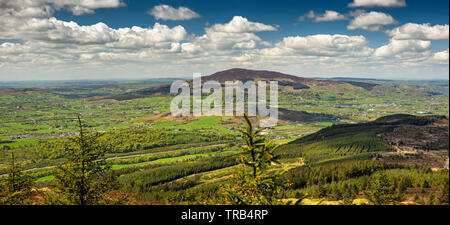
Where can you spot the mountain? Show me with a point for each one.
(246, 74)
(284, 80)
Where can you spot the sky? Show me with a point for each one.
(133, 39)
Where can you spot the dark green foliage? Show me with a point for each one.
(417, 199)
(168, 155)
(304, 176)
(295, 86)
(142, 93)
(349, 140)
(131, 140)
(443, 193)
(252, 184)
(142, 181)
(302, 116)
(53, 151)
(382, 191)
(85, 178)
(366, 86)
(16, 186)
(398, 119)
(346, 181)
(204, 194)
(339, 141)
(431, 199)
(425, 184)
(348, 194)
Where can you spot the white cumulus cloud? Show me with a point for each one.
(378, 3)
(322, 45)
(396, 47)
(441, 56)
(166, 12)
(236, 35)
(34, 43)
(240, 24)
(329, 15)
(372, 21)
(420, 31)
(44, 8)
(57, 31)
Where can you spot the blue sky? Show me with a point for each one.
(284, 13)
(401, 39)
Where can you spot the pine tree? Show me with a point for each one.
(430, 200)
(252, 184)
(16, 186)
(425, 184)
(348, 195)
(443, 193)
(416, 198)
(382, 191)
(85, 178)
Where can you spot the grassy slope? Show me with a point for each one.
(347, 141)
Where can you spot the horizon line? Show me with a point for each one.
(187, 77)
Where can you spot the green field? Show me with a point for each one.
(161, 159)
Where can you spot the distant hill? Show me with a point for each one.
(302, 116)
(418, 136)
(18, 91)
(367, 86)
(142, 93)
(356, 79)
(284, 80)
(245, 75)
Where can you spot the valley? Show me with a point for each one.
(339, 135)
